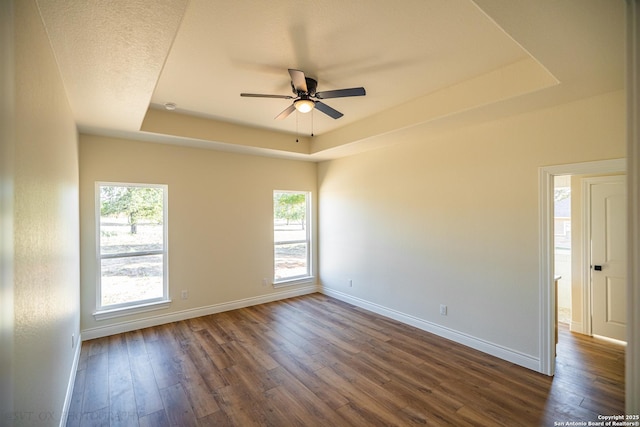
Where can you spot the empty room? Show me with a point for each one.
(319, 213)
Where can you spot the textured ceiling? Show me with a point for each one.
(110, 55)
(421, 61)
(396, 53)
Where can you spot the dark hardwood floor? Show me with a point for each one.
(317, 361)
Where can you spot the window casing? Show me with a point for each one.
(132, 256)
(292, 236)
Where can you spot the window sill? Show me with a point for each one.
(293, 282)
(134, 309)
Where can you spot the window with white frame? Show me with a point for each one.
(291, 235)
(131, 245)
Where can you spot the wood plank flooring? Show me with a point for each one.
(317, 361)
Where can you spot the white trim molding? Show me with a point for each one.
(585, 255)
(71, 383)
(490, 348)
(134, 309)
(632, 363)
(132, 325)
(546, 339)
(546, 274)
(576, 327)
(294, 282)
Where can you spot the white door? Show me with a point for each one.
(608, 257)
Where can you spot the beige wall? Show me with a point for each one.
(453, 219)
(45, 227)
(220, 217)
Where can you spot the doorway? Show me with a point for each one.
(563, 257)
(546, 275)
(595, 254)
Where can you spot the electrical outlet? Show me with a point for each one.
(73, 340)
(350, 283)
(184, 294)
(443, 309)
(265, 281)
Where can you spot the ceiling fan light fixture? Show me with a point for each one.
(304, 105)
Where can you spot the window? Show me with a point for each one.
(132, 246)
(291, 235)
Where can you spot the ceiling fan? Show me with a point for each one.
(307, 98)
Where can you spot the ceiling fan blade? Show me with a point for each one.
(328, 110)
(260, 95)
(298, 80)
(341, 93)
(290, 109)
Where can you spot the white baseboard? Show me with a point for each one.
(72, 381)
(132, 325)
(499, 351)
(576, 327)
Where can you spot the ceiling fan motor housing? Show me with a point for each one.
(312, 86)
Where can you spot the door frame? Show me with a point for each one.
(547, 298)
